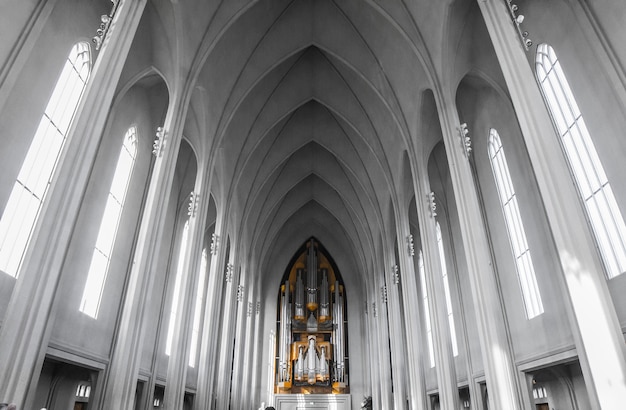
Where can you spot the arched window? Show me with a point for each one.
(515, 227)
(602, 211)
(29, 190)
(426, 309)
(198, 310)
(446, 289)
(92, 295)
(176, 297)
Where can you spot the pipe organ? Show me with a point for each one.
(311, 351)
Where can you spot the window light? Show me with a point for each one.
(198, 310)
(603, 212)
(515, 227)
(22, 208)
(92, 295)
(175, 298)
(429, 331)
(446, 288)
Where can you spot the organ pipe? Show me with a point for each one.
(299, 370)
(285, 337)
(312, 361)
(338, 339)
(312, 345)
(299, 311)
(324, 313)
(311, 302)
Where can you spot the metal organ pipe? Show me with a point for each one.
(299, 296)
(312, 361)
(338, 339)
(311, 302)
(299, 370)
(285, 336)
(324, 312)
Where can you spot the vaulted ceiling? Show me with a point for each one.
(307, 111)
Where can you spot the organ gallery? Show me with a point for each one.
(312, 338)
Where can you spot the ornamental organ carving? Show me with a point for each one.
(311, 353)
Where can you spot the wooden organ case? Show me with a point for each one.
(312, 355)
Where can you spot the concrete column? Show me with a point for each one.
(257, 360)
(244, 396)
(225, 353)
(599, 340)
(122, 374)
(241, 346)
(444, 359)
(25, 332)
(412, 307)
(378, 376)
(366, 335)
(210, 330)
(384, 353)
(502, 383)
(178, 363)
(396, 338)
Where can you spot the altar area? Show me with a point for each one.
(313, 401)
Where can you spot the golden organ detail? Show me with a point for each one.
(311, 350)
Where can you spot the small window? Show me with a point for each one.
(446, 288)
(22, 209)
(198, 309)
(429, 330)
(540, 393)
(92, 295)
(179, 274)
(603, 212)
(83, 391)
(515, 227)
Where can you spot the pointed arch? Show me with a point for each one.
(101, 258)
(603, 213)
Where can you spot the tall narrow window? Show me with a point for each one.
(515, 227)
(92, 295)
(426, 308)
(446, 289)
(604, 215)
(29, 190)
(198, 310)
(176, 297)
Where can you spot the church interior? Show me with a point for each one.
(313, 204)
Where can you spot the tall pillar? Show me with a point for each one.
(391, 297)
(225, 357)
(379, 378)
(444, 358)
(257, 353)
(121, 377)
(243, 295)
(502, 382)
(183, 322)
(210, 330)
(25, 332)
(366, 335)
(411, 298)
(244, 368)
(599, 340)
(381, 319)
